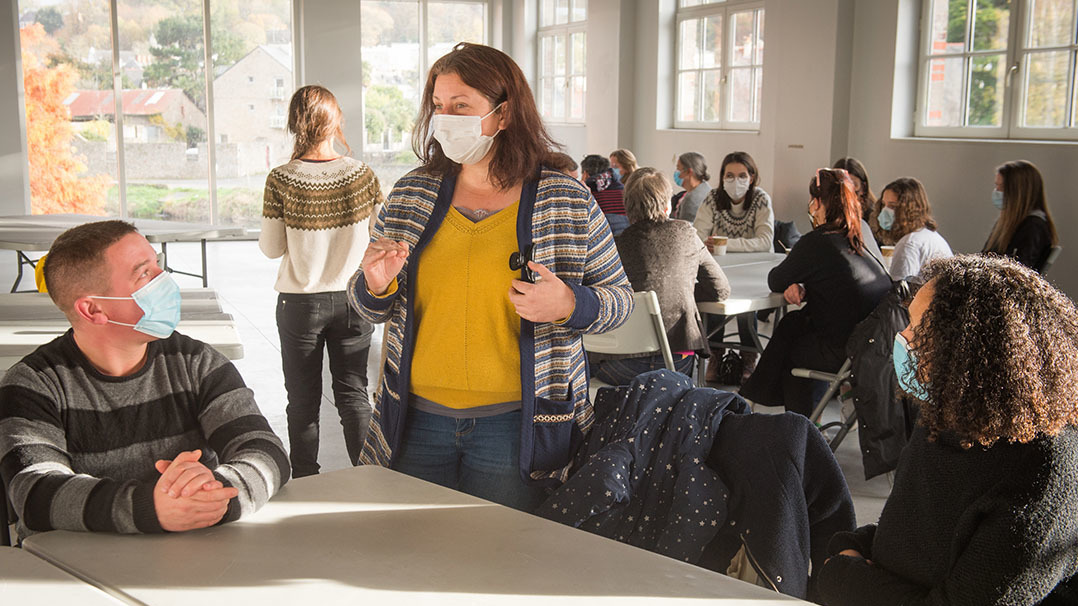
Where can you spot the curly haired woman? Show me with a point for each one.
(907, 217)
(983, 506)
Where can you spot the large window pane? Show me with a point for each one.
(712, 42)
(577, 93)
(760, 38)
(712, 95)
(992, 26)
(949, 22)
(741, 93)
(579, 53)
(689, 41)
(166, 153)
(452, 22)
(945, 92)
(546, 13)
(1046, 89)
(986, 90)
(687, 92)
(558, 105)
(580, 10)
(391, 81)
(743, 30)
(67, 79)
(252, 44)
(560, 59)
(1051, 23)
(561, 11)
(546, 94)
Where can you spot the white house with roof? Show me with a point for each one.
(251, 106)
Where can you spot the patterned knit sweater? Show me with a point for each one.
(316, 216)
(77, 448)
(558, 215)
(751, 230)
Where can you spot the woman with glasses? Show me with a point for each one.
(839, 281)
(486, 268)
(983, 505)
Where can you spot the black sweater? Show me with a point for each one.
(1031, 243)
(842, 287)
(978, 526)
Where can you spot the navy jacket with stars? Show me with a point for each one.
(641, 477)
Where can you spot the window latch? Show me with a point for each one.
(1010, 74)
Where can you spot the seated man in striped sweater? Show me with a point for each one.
(121, 424)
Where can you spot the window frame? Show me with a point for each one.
(551, 32)
(1015, 77)
(726, 9)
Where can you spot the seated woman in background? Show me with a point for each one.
(607, 190)
(907, 217)
(840, 282)
(563, 163)
(739, 210)
(691, 175)
(666, 256)
(623, 163)
(1024, 229)
(870, 206)
(982, 509)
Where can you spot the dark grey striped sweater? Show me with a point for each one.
(77, 447)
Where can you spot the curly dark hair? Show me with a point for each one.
(998, 347)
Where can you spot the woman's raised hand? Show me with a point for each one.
(382, 262)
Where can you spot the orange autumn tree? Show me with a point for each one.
(57, 183)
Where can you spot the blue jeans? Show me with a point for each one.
(617, 223)
(480, 457)
(307, 325)
(622, 371)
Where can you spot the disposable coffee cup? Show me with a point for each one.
(887, 251)
(718, 244)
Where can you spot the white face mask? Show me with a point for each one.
(736, 188)
(461, 137)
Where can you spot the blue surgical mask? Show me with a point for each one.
(159, 301)
(997, 199)
(677, 178)
(617, 173)
(906, 368)
(886, 218)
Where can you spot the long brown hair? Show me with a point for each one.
(834, 189)
(313, 117)
(857, 169)
(913, 211)
(722, 199)
(1023, 192)
(627, 161)
(521, 147)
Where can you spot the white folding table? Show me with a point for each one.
(747, 274)
(27, 579)
(369, 535)
(36, 233)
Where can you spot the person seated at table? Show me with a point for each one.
(607, 189)
(907, 217)
(691, 175)
(982, 509)
(623, 163)
(870, 205)
(666, 256)
(1024, 229)
(840, 282)
(122, 424)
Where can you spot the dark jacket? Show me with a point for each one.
(842, 287)
(787, 498)
(1031, 242)
(641, 476)
(669, 258)
(967, 527)
(885, 418)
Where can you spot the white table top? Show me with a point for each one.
(26, 579)
(747, 273)
(369, 535)
(34, 308)
(37, 232)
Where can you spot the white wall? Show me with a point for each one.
(957, 174)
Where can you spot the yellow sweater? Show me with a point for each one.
(467, 347)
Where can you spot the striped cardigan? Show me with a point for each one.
(558, 215)
(77, 448)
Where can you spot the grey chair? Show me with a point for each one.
(1053, 255)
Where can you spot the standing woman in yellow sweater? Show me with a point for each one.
(316, 218)
(484, 386)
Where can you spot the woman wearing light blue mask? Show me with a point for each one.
(1024, 229)
(691, 175)
(486, 267)
(907, 216)
(982, 509)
